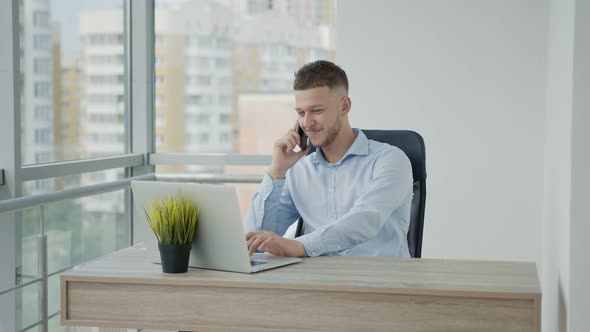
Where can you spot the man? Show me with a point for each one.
(353, 194)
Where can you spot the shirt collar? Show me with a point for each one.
(360, 147)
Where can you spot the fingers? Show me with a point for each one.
(251, 237)
(304, 152)
(256, 242)
(290, 140)
(295, 135)
(269, 246)
(263, 241)
(251, 234)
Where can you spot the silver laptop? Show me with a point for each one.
(220, 241)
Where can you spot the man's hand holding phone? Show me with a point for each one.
(283, 156)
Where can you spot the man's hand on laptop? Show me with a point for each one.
(274, 244)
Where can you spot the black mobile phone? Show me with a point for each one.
(303, 137)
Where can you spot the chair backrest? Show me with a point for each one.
(413, 146)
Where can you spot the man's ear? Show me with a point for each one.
(345, 105)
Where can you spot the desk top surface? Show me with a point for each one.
(354, 274)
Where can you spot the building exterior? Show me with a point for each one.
(37, 88)
(264, 117)
(102, 73)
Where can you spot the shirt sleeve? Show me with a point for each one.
(389, 188)
(271, 208)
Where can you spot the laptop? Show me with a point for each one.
(220, 241)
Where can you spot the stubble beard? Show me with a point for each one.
(332, 133)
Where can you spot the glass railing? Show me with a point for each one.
(61, 229)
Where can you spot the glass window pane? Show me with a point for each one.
(77, 231)
(227, 79)
(29, 309)
(73, 89)
(215, 61)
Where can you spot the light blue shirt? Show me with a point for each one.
(358, 206)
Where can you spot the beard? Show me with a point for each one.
(331, 133)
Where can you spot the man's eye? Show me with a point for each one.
(300, 114)
(317, 111)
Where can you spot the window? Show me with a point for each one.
(194, 100)
(224, 138)
(159, 81)
(105, 59)
(203, 138)
(225, 83)
(89, 80)
(41, 66)
(203, 119)
(204, 42)
(222, 63)
(41, 42)
(224, 100)
(204, 80)
(40, 18)
(77, 231)
(42, 112)
(42, 136)
(204, 62)
(102, 39)
(222, 44)
(236, 70)
(42, 157)
(42, 89)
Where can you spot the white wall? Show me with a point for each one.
(579, 304)
(469, 76)
(556, 226)
(499, 90)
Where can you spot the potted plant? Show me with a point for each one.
(174, 221)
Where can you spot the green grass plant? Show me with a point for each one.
(173, 219)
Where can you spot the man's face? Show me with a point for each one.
(319, 116)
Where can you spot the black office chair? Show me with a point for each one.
(413, 145)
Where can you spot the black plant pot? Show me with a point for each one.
(174, 257)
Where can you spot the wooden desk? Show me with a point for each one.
(125, 290)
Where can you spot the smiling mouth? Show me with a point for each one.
(312, 132)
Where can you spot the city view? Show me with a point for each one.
(223, 74)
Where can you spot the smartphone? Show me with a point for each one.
(303, 137)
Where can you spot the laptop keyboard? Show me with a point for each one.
(254, 263)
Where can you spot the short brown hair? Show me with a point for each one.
(320, 73)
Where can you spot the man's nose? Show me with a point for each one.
(307, 121)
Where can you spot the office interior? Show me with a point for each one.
(497, 89)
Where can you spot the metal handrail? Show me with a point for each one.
(21, 203)
(210, 178)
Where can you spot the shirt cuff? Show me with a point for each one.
(268, 186)
(312, 243)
